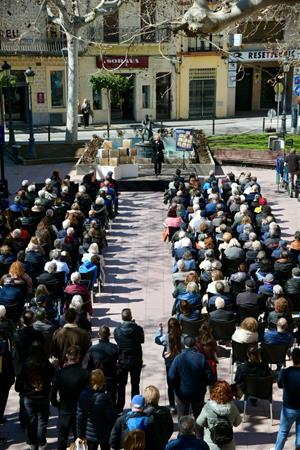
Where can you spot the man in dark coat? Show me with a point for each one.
(158, 154)
(68, 382)
(292, 161)
(189, 375)
(104, 356)
(129, 336)
(186, 438)
(249, 297)
(220, 312)
(11, 296)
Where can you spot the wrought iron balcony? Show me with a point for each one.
(33, 46)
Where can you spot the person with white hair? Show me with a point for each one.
(61, 266)
(93, 250)
(76, 303)
(234, 252)
(76, 288)
(221, 313)
(83, 199)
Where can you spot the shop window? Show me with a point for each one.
(97, 99)
(146, 97)
(57, 88)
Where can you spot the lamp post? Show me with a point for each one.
(29, 75)
(6, 69)
(286, 68)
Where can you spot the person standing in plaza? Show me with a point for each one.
(129, 337)
(86, 112)
(289, 381)
(292, 161)
(189, 375)
(158, 154)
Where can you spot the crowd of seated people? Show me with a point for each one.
(231, 269)
(236, 279)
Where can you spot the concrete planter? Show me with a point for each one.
(47, 153)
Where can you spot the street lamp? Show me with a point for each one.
(29, 75)
(6, 69)
(286, 68)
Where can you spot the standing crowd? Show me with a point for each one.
(236, 281)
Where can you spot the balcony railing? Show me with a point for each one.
(33, 46)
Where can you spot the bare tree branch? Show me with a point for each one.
(103, 7)
(200, 19)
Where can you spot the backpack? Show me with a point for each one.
(133, 422)
(221, 433)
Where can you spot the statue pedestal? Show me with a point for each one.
(144, 149)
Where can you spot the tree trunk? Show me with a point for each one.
(72, 94)
(108, 95)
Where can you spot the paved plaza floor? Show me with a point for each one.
(138, 268)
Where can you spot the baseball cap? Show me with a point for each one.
(138, 401)
(110, 173)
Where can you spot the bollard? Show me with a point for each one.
(108, 131)
(49, 133)
(264, 124)
(213, 126)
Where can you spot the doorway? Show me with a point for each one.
(19, 101)
(267, 96)
(122, 107)
(202, 98)
(163, 96)
(243, 92)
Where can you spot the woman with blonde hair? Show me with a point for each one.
(135, 440)
(247, 332)
(95, 413)
(161, 414)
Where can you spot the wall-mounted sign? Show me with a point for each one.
(40, 97)
(264, 55)
(9, 33)
(115, 61)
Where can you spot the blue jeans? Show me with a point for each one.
(287, 418)
(36, 419)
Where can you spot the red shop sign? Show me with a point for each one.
(40, 97)
(114, 61)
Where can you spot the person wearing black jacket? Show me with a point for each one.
(33, 383)
(129, 336)
(68, 382)
(190, 375)
(95, 413)
(160, 414)
(104, 356)
(158, 154)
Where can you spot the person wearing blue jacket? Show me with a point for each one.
(95, 413)
(189, 375)
(186, 439)
(90, 266)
